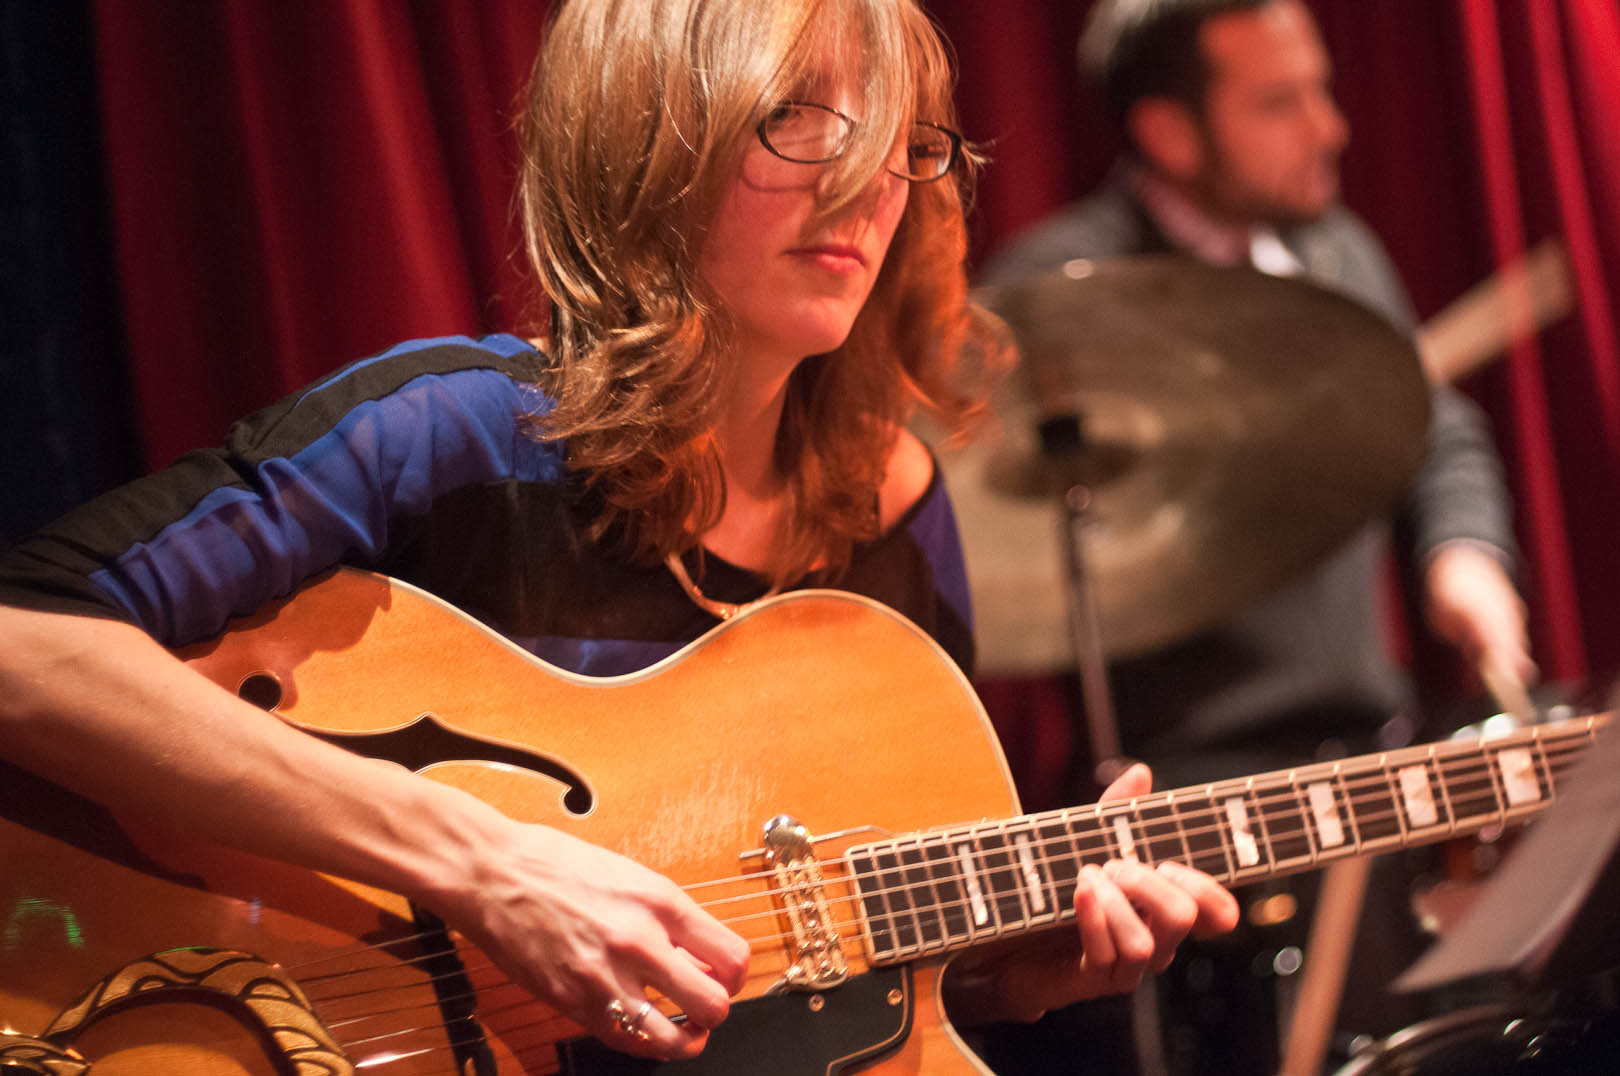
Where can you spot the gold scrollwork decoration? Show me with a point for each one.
(265, 992)
(36, 1057)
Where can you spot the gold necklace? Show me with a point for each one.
(718, 610)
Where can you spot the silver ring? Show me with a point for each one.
(626, 1022)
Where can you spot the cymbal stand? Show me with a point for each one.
(1061, 438)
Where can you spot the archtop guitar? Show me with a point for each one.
(815, 772)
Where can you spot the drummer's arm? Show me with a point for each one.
(1462, 528)
(1471, 603)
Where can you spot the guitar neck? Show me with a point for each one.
(943, 890)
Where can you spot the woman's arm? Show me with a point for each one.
(98, 706)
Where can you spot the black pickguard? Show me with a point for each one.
(781, 1035)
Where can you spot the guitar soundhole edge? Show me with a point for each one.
(262, 689)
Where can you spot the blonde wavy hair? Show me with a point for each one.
(638, 115)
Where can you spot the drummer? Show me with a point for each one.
(1234, 142)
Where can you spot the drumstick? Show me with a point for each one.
(1508, 688)
(1517, 301)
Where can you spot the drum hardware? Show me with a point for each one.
(1237, 427)
(1062, 439)
(1499, 1039)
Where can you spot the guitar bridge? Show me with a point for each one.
(816, 957)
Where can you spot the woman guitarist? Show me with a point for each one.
(747, 218)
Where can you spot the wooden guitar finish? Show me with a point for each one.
(823, 706)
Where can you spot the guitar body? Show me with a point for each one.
(823, 706)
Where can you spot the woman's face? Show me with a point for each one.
(793, 289)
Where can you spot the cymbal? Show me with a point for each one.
(1234, 427)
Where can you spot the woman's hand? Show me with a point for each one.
(583, 928)
(1131, 918)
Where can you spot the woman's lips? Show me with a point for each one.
(835, 257)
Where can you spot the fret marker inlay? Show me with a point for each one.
(1243, 842)
(970, 875)
(1328, 828)
(1032, 875)
(1122, 833)
(1519, 775)
(1418, 795)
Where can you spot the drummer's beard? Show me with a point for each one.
(1280, 198)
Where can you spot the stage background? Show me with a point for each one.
(210, 204)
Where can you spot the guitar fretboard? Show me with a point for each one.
(947, 889)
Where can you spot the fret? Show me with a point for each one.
(1160, 832)
(867, 878)
(1420, 810)
(950, 895)
(1447, 809)
(1520, 781)
(1470, 784)
(1347, 803)
(1173, 801)
(1566, 747)
(890, 880)
(1115, 821)
(919, 896)
(1240, 811)
(1322, 806)
(1034, 867)
(1092, 840)
(1003, 879)
(1055, 844)
(1371, 797)
(1205, 833)
(1283, 824)
(966, 851)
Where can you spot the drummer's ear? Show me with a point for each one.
(1166, 133)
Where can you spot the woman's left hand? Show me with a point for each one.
(1131, 918)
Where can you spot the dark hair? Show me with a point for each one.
(1149, 48)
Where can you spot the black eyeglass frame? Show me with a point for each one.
(951, 158)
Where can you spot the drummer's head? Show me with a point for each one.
(1230, 100)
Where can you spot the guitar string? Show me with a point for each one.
(1352, 791)
(1001, 929)
(1174, 833)
(1286, 795)
(1475, 762)
(1268, 790)
(1043, 845)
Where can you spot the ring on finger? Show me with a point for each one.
(627, 1022)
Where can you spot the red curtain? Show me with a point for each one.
(1480, 128)
(297, 185)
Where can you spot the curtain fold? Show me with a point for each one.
(297, 185)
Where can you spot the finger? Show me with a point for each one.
(633, 1024)
(721, 952)
(1135, 781)
(1164, 908)
(1217, 908)
(1096, 940)
(1132, 940)
(690, 986)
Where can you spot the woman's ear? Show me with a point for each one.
(1166, 133)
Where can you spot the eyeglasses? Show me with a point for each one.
(814, 134)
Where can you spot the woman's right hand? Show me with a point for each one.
(582, 927)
